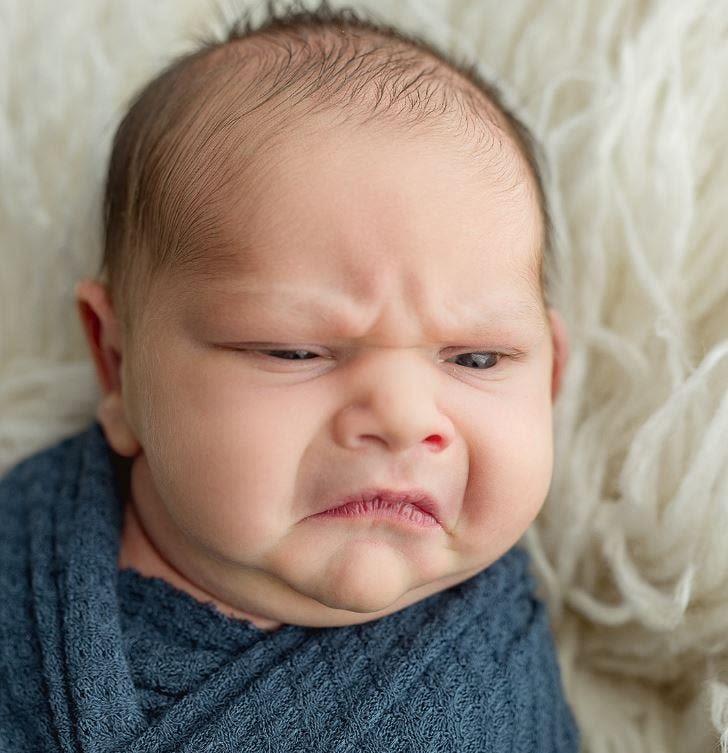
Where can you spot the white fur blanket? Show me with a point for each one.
(630, 98)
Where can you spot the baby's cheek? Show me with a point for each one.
(225, 470)
(508, 480)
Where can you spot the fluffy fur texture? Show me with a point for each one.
(630, 100)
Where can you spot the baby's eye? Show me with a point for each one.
(484, 360)
(475, 360)
(292, 355)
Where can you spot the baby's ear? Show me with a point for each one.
(560, 341)
(103, 334)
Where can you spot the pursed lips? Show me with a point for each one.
(413, 505)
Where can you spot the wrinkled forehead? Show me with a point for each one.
(358, 216)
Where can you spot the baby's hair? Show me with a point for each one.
(191, 131)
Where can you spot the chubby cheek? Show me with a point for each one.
(510, 473)
(224, 456)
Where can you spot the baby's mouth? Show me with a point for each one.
(412, 506)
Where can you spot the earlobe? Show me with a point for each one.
(560, 341)
(103, 334)
(112, 417)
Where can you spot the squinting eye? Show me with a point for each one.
(292, 355)
(478, 360)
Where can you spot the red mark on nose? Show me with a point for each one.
(434, 439)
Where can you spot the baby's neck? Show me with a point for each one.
(137, 551)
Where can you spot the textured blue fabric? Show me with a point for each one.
(471, 669)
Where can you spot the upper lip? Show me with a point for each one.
(415, 497)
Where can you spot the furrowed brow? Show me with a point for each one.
(342, 319)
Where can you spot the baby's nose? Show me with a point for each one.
(393, 404)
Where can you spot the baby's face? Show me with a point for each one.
(382, 339)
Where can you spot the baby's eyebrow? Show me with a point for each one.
(303, 311)
(526, 317)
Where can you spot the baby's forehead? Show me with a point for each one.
(323, 151)
(345, 230)
(313, 187)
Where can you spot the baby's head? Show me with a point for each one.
(324, 255)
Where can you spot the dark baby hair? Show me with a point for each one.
(186, 135)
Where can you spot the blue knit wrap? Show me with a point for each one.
(470, 670)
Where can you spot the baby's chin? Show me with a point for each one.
(359, 581)
(364, 577)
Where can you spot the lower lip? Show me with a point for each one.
(402, 511)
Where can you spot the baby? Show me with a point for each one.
(327, 362)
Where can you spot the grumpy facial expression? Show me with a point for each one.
(359, 414)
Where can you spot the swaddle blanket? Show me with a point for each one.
(468, 669)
